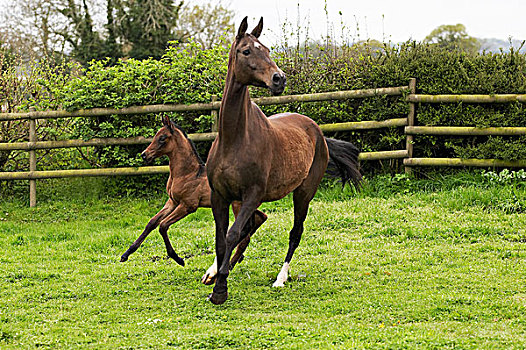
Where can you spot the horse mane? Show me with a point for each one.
(194, 150)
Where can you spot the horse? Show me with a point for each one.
(255, 159)
(187, 189)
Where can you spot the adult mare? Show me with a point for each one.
(256, 159)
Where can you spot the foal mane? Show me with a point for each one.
(194, 149)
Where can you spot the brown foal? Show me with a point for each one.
(256, 159)
(187, 189)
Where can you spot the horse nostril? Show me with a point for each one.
(276, 78)
(143, 155)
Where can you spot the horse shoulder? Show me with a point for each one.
(193, 192)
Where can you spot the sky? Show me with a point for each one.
(385, 20)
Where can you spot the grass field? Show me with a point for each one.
(417, 264)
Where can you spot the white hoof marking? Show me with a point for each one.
(211, 273)
(282, 276)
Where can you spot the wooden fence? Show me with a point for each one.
(409, 122)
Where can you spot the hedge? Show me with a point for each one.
(191, 75)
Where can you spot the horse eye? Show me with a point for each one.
(246, 52)
(162, 138)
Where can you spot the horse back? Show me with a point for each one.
(296, 128)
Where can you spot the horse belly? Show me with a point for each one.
(229, 180)
(289, 167)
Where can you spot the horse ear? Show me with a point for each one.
(259, 28)
(242, 27)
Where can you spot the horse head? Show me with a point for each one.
(164, 141)
(251, 63)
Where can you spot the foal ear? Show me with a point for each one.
(242, 28)
(168, 123)
(257, 31)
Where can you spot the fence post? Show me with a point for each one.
(32, 161)
(410, 122)
(215, 115)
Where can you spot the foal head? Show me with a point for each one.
(250, 61)
(169, 139)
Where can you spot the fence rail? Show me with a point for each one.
(503, 98)
(274, 100)
(458, 162)
(464, 131)
(408, 122)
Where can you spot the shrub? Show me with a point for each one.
(191, 75)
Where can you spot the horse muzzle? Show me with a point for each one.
(279, 80)
(146, 157)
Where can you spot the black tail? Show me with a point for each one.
(343, 162)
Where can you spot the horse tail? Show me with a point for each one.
(343, 162)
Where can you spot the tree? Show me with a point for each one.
(86, 42)
(90, 29)
(29, 27)
(205, 23)
(98, 29)
(453, 37)
(148, 25)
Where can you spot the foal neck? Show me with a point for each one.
(184, 161)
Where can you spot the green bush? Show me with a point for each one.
(191, 75)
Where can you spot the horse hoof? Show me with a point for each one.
(208, 280)
(218, 298)
(179, 260)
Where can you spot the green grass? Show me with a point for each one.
(417, 264)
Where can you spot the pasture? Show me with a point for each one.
(419, 264)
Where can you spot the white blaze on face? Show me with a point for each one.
(282, 276)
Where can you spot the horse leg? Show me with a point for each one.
(152, 224)
(249, 229)
(258, 219)
(231, 240)
(301, 207)
(301, 198)
(210, 275)
(180, 212)
(220, 212)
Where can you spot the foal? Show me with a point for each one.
(256, 159)
(187, 189)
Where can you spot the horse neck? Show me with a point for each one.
(235, 106)
(183, 161)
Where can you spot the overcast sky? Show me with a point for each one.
(394, 20)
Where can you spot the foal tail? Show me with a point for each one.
(343, 162)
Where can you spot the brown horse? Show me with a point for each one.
(187, 189)
(256, 159)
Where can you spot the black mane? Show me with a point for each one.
(194, 149)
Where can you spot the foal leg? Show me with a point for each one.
(180, 212)
(152, 224)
